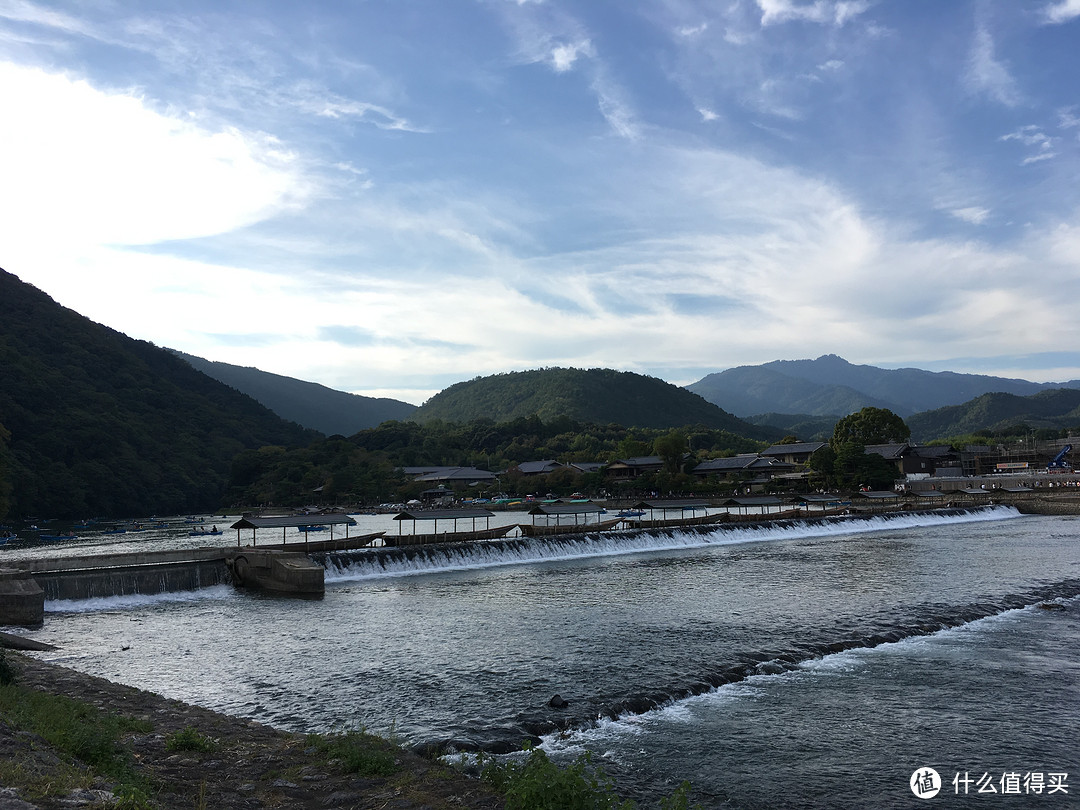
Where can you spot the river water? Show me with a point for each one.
(788, 665)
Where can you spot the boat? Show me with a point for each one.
(631, 513)
(115, 530)
(537, 530)
(205, 533)
(306, 529)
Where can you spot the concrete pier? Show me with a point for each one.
(24, 591)
(22, 601)
(276, 571)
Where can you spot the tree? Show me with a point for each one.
(870, 426)
(671, 447)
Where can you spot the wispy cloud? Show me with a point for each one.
(972, 214)
(1040, 144)
(830, 12)
(1061, 12)
(987, 75)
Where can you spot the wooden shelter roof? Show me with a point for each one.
(442, 514)
(284, 521)
(566, 509)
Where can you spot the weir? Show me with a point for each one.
(24, 591)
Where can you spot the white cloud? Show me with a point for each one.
(986, 74)
(1039, 141)
(973, 214)
(707, 114)
(110, 170)
(1061, 12)
(831, 12)
(564, 55)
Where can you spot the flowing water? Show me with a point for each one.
(786, 665)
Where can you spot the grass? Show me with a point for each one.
(190, 739)
(537, 783)
(356, 752)
(88, 737)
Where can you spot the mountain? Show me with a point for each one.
(309, 404)
(1056, 409)
(831, 385)
(95, 423)
(600, 396)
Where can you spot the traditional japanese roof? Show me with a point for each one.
(538, 467)
(587, 466)
(890, 451)
(726, 464)
(879, 495)
(284, 521)
(794, 447)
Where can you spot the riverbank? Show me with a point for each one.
(249, 765)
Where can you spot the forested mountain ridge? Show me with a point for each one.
(600, 396)
(309, 404)
(1055, 409)
(831, 385)
(95, 423)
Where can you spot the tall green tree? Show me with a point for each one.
(671, 448)
(870, 426)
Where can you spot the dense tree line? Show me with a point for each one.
(366, 467)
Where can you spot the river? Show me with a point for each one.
(788, 665)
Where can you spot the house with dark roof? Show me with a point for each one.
(726, 467)
(795, 453)
(537, 467)
(625, 468)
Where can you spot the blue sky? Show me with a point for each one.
(394, 195)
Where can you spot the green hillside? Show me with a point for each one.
(598, 396)
(1057, 409)
(97, 424)
(309, 404)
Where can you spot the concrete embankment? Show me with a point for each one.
(24, 591)
(1064, 505)
(90, 577)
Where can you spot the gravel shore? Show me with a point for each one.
(253, 766)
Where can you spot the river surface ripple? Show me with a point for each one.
(795, 665)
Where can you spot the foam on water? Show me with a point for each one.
(138, 600)
(461, 557)
(841, 664)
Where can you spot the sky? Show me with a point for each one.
(391, 196)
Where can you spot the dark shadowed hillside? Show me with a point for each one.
(98, 424)
(831, 385)
(1056, 409)
(309, 404)
(600, 396)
